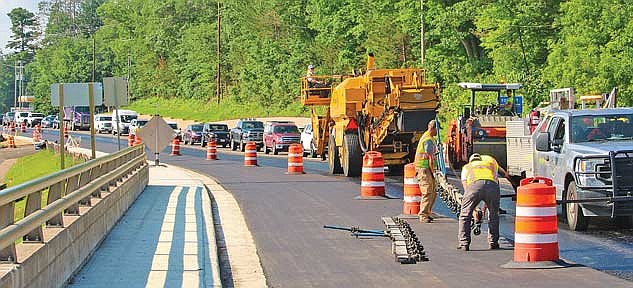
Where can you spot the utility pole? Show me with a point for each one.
(129, 67)
(422, 32)
(94, 56)
(15, 84)
(217, 80)
(21, 86)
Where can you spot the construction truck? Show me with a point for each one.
(588, 154)
(482, 128)
(384, 110)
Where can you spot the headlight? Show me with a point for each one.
(587, 169)
(247, 133)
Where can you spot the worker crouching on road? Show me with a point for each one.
(480, 181)
(425, 163)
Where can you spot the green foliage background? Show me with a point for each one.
(267, 44)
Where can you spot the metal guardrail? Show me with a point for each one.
(67, 189)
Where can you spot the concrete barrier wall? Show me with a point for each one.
(65, 250)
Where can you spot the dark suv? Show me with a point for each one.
(219, 132)
(247, 130)
(278, 135)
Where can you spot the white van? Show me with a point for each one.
(103, 123)
(125, 117)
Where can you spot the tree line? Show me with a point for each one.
(168, 48)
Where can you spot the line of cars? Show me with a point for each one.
(271, 137)
(31, 119)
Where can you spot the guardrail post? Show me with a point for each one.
(71, 186)
(96, 173)
(54, 193)
(6, 218)
(85, 178)
(33, 203)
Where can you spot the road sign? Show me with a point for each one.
(156, 134)
(115, 91)
(76, 94)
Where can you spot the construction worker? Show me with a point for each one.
(534, 119)
(312, 81)
(425, 163)
(480, 181)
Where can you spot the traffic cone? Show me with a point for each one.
(372, 185)
(65, 132)
(412, 194)
(137, 140)
(212, 150)
(175, 147)
(250, 154)
(130, 140)
(295, 159)
(536, 226)
(12, 142)
(23, 127)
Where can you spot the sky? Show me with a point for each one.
(5, 23)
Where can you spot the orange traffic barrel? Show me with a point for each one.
(12, 142)
(36, 136)
(212, 150)
(295, 159)
(12, 127)
(23, 127)
(175, 147)
(536, 226)
(38, 128)
(372, 182)
(250, 154)
(412, 194)
(130, 140)
(65, 132)
(137, 140)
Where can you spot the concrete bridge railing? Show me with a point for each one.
(61, 230)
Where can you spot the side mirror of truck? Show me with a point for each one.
(542, 142)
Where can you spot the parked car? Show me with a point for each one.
(47, 122)
(55, 123)
(278, 135)
(136, 124)
(8, 117)
(103, 124)
(125, 117)
(192, 134)
(219, 132)
(307, 142)
(34, 118)
(177, 131)
(247, 130)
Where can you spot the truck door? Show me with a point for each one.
(557, 159)
(543, 165)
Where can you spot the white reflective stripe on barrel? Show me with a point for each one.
(535, 238)
(295, 164)
(535, 211)
(250, 151)
(412, 198)
(410, 181)
(250, 158)
(373, 169)
(372, 184)
(294, 155)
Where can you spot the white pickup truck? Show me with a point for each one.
(587, 153)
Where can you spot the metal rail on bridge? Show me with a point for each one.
(67, 189)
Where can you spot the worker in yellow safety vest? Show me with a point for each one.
(480, 181)
(425, 163)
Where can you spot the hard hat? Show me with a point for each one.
(310, 66)
(474, 157)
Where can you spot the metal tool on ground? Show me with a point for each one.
(405, 245)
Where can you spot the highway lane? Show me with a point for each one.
(608, 249)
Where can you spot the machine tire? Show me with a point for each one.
(576, 220)
(352, 156)
(334, 162)
(313, 150)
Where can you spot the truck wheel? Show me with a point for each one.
(625, 222)
(242, 146)
(266, 151)
(334, 162)
(233, 145)
(275, 151)
(352, 156)
(575, 219)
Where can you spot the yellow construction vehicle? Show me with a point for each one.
(384, 110)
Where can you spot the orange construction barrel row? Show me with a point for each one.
(373, 175)
(295, 159)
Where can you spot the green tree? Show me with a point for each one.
(24, 29)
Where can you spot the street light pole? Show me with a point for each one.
(422, 32)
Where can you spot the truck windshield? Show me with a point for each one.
(82, 109)
(219, 128)
(589, 128)
(196, 128)
(286, 129)
(253, 125)
(127, 118)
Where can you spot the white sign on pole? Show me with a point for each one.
(115, 91)
(76, 94)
